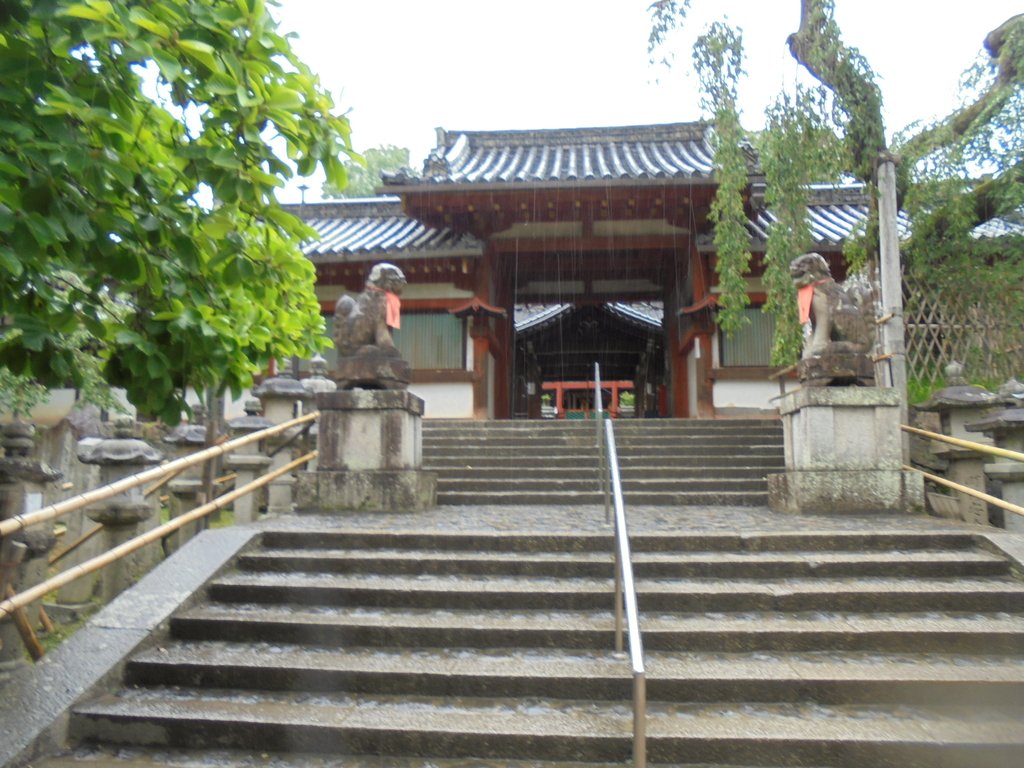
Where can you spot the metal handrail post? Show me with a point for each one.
(639, 719)
(619, 624)
(601, 447)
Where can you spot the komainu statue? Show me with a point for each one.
(842, 318)
(362, 324)
(367, 356)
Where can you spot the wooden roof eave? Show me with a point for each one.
(383, 255)
(442, 187)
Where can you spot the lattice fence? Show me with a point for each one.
(942, 326)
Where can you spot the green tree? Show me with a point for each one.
(954, 175)
(138, 223)
(364, 176)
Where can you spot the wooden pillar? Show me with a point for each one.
(705, 386)
(479, 331)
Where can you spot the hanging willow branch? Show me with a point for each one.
(718, 56)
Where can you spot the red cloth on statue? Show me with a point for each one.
(803, 301)
(394, 310)
(804, 296)
(392, 307)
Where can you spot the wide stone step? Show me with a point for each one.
(396, 628)
(806, 543)
(368, 725)
(779, 734)
(578, 498)
(418, 672)
(588, 441)
(631, 486)
(697, 677)
(637, 472)
(925, 632)
(880, 594)
(150, 757)
(831, 678)
(463, 446)
(661, 465)
(593, 561)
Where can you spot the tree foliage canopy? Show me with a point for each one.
(138, 225)
(956, 174)
(364, 177)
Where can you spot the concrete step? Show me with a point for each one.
(395, 628)
(823, 678)
(882, 543)
(143, 757)
(779, 734)
(689, 595)
(664, 465)
(922, 632)
(746, 631)
(632, 487)
(424, 672)
(669, 563)
(577, 498)
(543, 470)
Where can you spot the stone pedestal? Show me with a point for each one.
(370, 454)
(249, 461)
(187, 489)
(843, 454)
(280, 396)
(23, 558)
(122, 515)
(1007, 429)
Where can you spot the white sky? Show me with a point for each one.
(401, 68)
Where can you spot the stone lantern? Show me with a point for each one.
(119, 457)
(250, 461)
(186, 490)
(23, 555)
(958, 405)
(1006, 428)
(280, 396)
(316, 384)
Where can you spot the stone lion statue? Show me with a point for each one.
(842, 316)
(361, 324)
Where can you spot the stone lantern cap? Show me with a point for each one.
(318, 382)
(960, 396)
(1008, 420)
(17, 465)
(252, 421)
(123, 448)
(1012, 392)
(186, 434)
(281, 386)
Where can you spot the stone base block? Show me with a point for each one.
(850, 492)
(407, 490)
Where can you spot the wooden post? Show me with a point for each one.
(893, 370)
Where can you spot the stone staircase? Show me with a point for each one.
(664, 462)
(342, 646)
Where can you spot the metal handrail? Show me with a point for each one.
(991, 450)
(625, 586)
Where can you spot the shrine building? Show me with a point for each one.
(531, 255)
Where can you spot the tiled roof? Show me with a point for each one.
(671, 151)
(377, 226)
(834, 215)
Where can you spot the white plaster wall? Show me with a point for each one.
(757, 394)
(445, 401)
